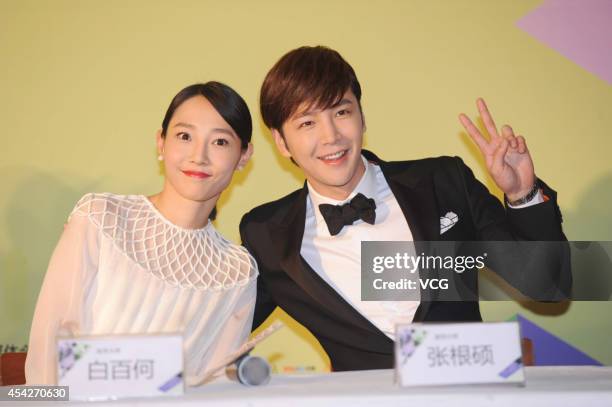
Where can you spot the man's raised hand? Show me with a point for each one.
(506, 155)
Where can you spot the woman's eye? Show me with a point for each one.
(184, 136)
(221, 142)
(308, 123)
(343, 112)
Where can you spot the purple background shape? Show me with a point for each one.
(580, 30)
(550, 350)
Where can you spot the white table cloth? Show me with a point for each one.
(546, 386)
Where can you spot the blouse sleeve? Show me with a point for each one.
(234, 333)
(73, 263)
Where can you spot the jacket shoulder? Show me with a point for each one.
(273, 211)
(446, 164)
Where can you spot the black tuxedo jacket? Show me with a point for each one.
(425, 190)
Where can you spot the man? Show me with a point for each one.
(309, 259)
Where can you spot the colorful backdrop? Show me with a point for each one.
(84, 86)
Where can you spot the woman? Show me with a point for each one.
(143, 265)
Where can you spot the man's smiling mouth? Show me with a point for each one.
(334, 157)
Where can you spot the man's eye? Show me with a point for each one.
(221, 142)
(308, 123)
(184, 136)
(343, 112)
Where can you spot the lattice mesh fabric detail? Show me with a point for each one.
(198, 258)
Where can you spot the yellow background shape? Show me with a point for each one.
(84, 86)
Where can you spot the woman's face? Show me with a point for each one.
(200, 151)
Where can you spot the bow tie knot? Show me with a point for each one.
(338, 216)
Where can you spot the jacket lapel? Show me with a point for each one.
(414, 192)
(287, 239)
(415, 195)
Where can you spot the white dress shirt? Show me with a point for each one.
(337, 259)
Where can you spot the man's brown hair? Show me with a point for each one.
(315, 76)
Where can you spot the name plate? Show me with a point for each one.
(113, 367)
(458, 353)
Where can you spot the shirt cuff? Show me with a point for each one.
(538, 198)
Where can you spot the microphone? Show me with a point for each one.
(249, 370)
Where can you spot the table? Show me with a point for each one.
(584, 386)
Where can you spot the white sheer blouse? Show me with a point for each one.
(120, 267)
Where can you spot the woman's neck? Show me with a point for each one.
(181, 211)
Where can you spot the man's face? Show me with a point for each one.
(326, 144)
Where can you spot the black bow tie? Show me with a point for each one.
(337, 216)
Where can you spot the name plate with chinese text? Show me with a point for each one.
(458, 353)
(113, 367)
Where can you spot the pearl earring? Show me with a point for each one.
(160, 157)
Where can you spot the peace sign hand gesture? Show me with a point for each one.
(506, 155)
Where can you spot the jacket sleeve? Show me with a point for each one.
(264, 304)
(526, 246)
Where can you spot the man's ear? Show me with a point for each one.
(281, 144)
(160, 142)
(363, 123)
(245, 156)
